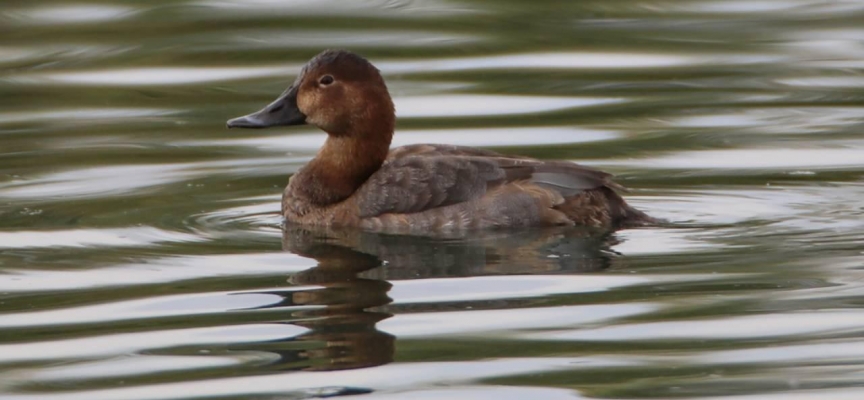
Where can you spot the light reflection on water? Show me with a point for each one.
(153, 76)
(757, 159)
(72, 14)
(141, 253)
(286, 39)
(88, 115)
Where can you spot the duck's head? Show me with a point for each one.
(337, 91)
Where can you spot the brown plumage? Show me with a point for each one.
(356, 180)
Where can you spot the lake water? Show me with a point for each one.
(141, 253)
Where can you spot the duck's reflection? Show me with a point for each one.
(348, 288)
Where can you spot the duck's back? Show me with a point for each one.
(424, 188)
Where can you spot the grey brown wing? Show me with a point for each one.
(570, 179)
(567, 177)
(413, 184)
(417, 183)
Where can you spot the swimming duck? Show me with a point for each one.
(356, 180)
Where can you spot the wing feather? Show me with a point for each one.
(422, 177)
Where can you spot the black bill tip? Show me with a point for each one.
(248, 121)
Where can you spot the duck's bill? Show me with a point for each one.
(281, 112)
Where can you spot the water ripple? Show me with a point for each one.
(120, 237)
(152, 272)
(142, 254)
(391, 377)
(755, 159)
(70, 14)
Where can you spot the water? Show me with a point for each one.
(141, 255)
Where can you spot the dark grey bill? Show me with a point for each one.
(283, 111)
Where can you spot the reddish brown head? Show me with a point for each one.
(337, 91)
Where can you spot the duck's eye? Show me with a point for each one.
(326, 80)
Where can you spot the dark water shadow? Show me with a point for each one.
(345, 295)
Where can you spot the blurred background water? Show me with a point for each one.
(141, 255)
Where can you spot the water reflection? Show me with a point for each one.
(536, 250)
(347, 290)
(342, 332)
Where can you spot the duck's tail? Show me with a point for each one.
(630, 217)
(603, 207)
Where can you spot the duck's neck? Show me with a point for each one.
(344, 163)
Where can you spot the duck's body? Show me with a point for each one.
(421, 188)
(356, 180)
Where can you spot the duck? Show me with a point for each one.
(357, 181)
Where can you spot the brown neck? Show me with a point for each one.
(345, 162)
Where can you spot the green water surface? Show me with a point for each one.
(142, 257)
